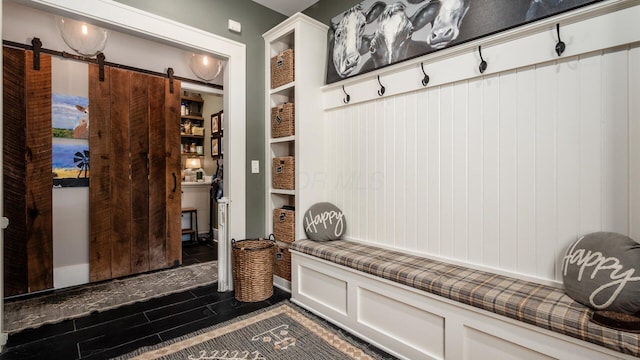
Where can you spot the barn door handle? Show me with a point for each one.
(382, 89)
(425, 79)
(175, 182)
(483, 64)
(560, 46)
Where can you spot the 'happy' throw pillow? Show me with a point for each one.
(602, 271)
(324, 221)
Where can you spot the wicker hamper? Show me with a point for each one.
(282, 68)
(283, 172)
(253, 269)
(284, 225)
(283, 120)
(282, 262)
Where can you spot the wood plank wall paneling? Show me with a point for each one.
(28, 245)
(139, 152)
(100, 184)
(157, 175)
(120, 164)
(39, 196)
(172, 173)
(135, 203)
(14, 108)
(502, 171)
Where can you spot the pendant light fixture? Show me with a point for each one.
(83, 38)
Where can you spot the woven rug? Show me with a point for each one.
(281, 331)
(83, 300)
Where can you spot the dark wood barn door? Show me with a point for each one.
(134, 193)
(28, 241)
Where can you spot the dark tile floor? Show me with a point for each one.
(119, 331)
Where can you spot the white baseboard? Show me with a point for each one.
(71, 275)
(282, 283)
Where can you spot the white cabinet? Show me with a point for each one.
(308, 38)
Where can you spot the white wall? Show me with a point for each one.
(502, 171)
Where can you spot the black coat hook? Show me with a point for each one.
(425, 79)
(347, 97)
(382, 89)
(483, 64)
(560, 46)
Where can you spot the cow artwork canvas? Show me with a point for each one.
(374, 34)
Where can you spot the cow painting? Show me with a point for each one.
(375, 33)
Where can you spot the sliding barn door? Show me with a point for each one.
(28, 241)
(134, 192)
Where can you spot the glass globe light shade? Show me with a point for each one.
(83, 38)
(205, 67)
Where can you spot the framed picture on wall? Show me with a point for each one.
(215, 147)
(365, 37)
(215, 124)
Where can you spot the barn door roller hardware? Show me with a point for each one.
(347, 97)
(382, 89)
(100, 58)
(425, 79)
(170, 75)
(37, 46)
(560, 46)
(483, 64)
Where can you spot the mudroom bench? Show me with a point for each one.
(418, 308)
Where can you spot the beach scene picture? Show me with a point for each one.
(70, 123)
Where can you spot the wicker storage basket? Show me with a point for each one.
(283, 120)
(282, 262)
(282, 68)
(283, 172)
(253, 269)
(284, 225)
(196, 130)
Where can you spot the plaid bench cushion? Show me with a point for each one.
(536, 304)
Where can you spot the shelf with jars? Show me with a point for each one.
(192, 124)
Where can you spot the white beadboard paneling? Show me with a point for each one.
(433, 170)
(508, 171)
(568, 123)
(590, 143)
(615, 150)
(634, 142)
(411, 180)
(400, 172)
(446, 171)
(422, 176)
(460, 171)
(475, 164)
(381, 208)
(526, 141)
(546, 100)
(490, 171)
(503, 171)
(390, 140)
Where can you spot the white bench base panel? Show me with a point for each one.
(413, 324)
